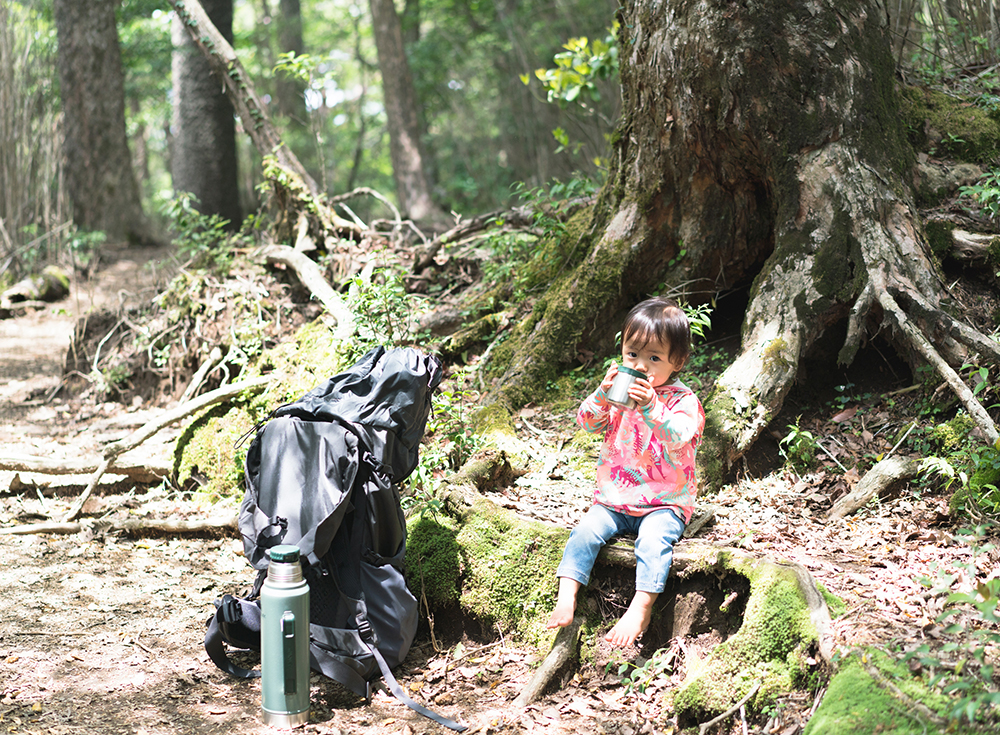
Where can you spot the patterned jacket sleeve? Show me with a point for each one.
(676, 419)
(594, 414)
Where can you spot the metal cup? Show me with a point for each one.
(618, 393)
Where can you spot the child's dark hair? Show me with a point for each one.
(662, 320)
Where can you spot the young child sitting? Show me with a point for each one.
(645, 473)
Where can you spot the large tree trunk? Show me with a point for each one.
(412, 187)
(761, 143)
(99, 173)
(203, 162)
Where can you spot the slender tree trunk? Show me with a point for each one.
(412, 187)
(99, 173)
(760, 144)
(203, 161)
(290, 91)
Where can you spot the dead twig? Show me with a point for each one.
(706, 726)
(184, 410)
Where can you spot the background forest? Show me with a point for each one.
(500, 115)
(483, 128)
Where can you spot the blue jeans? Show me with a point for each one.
(657, 532)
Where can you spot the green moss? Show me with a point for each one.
(771, 647)
(951, 435)
(207, 450)
(938, 236)
(207, 444)
(510, 571)
(433, 559)
(855, 703)
(945, 125)
(834, 604)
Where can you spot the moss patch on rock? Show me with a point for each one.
(774, 646)
(433, 559)
(206, 449)
(942, 125)
(856, 704)
(509, 578)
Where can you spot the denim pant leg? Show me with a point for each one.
(654, 549)
(593, 531)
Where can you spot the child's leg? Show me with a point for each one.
(654, 550)
(565, 608)
(634, 621)
(593, 531)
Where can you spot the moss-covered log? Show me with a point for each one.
(761, 148)
(499, 569)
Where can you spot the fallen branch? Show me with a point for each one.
(512, 218)
(563, 649)
(113, 450)
(132, 526)
(45, 466)
(880, 477)
(309, 273)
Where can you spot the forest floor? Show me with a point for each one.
(102, 632)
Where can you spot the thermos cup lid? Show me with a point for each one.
(628, 371)
(283, 553)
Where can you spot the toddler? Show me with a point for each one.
(645, 473)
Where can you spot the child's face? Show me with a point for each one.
(652, 358)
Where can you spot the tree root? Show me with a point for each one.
(923, 710)
(115, 449)
(563, 650)
(923, 346)
(693, 555)
(884, 474)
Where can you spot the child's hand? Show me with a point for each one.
(609, 377)
(641, 391)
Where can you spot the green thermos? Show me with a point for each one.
(284, 640)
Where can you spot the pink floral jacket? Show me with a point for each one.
(647, 459)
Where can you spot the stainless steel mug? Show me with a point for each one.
(618, 393)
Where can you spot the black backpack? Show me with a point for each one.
(322, 474)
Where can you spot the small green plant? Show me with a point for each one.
(383, 310)
(798, 447)
(962, 665)
(655, 670)
(201, 238)
(985, 194)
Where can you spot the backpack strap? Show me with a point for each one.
(216, 650)
(397, 690)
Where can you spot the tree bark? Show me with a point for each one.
(761, 143)
(99, 174)
(203, 162)
(412, 187)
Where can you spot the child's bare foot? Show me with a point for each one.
(634, 621)
(565, 604)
